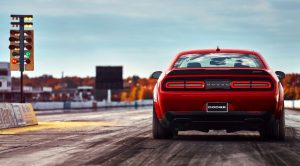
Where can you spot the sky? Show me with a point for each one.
(74, 36)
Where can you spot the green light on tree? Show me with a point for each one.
(27, 54)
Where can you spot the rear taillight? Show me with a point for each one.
(260, 84)
(240, 84)
(250, 84)
(236, 84)
(185, 84)
(171, 85)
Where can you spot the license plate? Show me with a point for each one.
(217, 107)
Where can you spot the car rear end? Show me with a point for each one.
(217, 99)
(220, 97)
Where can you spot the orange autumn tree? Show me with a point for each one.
(291, 84)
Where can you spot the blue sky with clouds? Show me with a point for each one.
(74, 36)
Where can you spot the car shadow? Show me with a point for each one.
(218, 137)
(290, 132)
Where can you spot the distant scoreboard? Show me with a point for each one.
(109, 77)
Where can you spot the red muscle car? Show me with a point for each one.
(218, 89)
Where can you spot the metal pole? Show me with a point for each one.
(21, 88)
(108, 96)
(21, 60)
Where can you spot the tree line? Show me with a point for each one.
(141, 88)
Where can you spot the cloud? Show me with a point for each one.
(262, 13)
(156, 28)
(209, 10)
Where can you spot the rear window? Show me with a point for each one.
(218, 60)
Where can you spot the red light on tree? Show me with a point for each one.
(15, 61)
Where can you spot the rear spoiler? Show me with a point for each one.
(211, 71)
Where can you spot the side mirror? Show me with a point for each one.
(280, 75)
(156, 74)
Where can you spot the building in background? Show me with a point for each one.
(85, 93)
(5, 77)
(8, 93)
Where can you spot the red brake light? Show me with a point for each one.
(186, 84)
(261, 84)
(240, 84)
(194, 84)
(250, 84)
(178, 84)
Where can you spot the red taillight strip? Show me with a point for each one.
(261, 84)
(194, 84)
(252, 84)
(240, 84)
(179, 84)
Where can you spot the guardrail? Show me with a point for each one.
(88, 104)
(292, 104)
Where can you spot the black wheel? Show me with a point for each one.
(275, 129)
(270, 131)
(158, 131)
(281, 121)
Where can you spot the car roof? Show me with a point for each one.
(200, 51)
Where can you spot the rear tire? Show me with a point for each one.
(281, 122)
(158, 131)
(270, 132)
(275, 129)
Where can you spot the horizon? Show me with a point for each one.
(145, 36)
(95, 76)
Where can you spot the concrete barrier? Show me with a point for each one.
(145, 102)
(67, 105)
(16, 115)
(25, 114)
(7, 116)
(288, 103)
(48, 105)
(87, 104)
(292, 104)
(297, 104)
